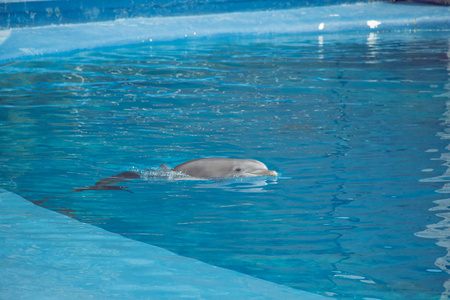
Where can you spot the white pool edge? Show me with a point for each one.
(46, 255)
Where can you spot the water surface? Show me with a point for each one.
(354, 124)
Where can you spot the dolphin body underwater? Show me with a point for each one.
(204, 168)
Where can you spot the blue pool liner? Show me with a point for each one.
(367, 17)
(46, 255)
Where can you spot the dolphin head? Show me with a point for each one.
(250, 168)
(219, 167)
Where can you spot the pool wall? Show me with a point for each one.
(14, 14)
(368, 17)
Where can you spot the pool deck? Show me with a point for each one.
(46, 255)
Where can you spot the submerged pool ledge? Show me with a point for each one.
(46, 255)
(363, 17)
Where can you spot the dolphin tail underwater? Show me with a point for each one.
(107, 183)
(197, 169)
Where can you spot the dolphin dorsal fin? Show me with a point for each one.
(163, 167)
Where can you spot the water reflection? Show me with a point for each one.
(373, 48)
(441, 230)
(243, 185)
(320, 42)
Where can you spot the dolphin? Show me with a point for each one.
(203, 168)
(220, 167)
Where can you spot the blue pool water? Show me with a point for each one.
(356, 124)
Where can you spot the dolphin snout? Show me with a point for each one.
(272, 173)
(264, 173)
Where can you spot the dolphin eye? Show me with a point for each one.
(237, 169)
